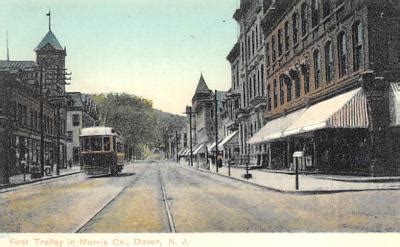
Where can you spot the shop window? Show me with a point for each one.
(358, 45)
(76, 155)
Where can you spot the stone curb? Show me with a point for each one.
(12, 187)
(299, 192)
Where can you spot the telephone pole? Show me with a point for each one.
(189, 113)
(216, 129)
(41, 81)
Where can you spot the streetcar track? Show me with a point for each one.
(171, 223)
(84, 225)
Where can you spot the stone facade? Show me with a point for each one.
(247, 63)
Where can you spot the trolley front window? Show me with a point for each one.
(95, 143)
(107, 144)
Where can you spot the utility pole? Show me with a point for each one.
(216, 129)
(189, 112)
(177, 148)
(42, 76)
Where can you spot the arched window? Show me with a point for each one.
(297, 86)
(288, 83)
(279, 42)
(273, 48)
(269, 106)
(254, 86)
(303, 14)
(262, 80)
(275, 94)
(268, 54)
(326, 7)
(281, 90)
(295, 29)
(317, 69)
(342, 54)
(358, 45)
(314, 12)
(252, 43)
(287, 36)
(329, 62)
(306, 77)
(258, 83)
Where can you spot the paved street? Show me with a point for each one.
(197, 202)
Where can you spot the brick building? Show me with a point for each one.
(22, 86)
(331, 73)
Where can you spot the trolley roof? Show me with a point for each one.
(99, 131)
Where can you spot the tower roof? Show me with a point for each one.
(202, 87)
(50, 39)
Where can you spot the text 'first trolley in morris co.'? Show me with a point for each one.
(102, 151)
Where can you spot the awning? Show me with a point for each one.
(211, 146)
(199, 149)
(348, 110)
(226, 139)
(274, 128)
(180, 153)
(185, 152)
(394, 103)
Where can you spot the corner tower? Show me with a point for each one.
(51, 57)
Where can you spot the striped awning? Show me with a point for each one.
(394, 103)
(348, 110)
(274, 129)
(227, 139)
(180, 153)
(199, 149)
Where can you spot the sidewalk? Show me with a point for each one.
(310, 184)
(18, 180)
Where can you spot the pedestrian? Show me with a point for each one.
(70, 163)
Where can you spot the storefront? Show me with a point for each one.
(332, 136)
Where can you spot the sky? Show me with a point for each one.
(153, 49)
